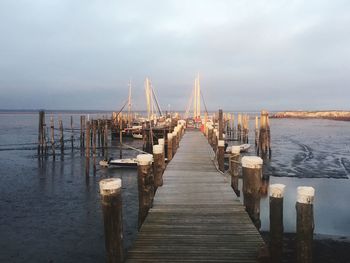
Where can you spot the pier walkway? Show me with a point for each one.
(196, 216)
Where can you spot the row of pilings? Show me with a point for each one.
(150, 171)
(255, 186)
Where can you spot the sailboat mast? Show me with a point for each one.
(198, 98)
(195, 100)
(129, 105)
(148, 99)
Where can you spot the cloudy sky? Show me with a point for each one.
(80, 54)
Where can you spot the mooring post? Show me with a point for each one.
(210, 135)
(60, 125)
(87, 148)
(52, 128)
(215, 139)
(170, 147)
(221, 125)
(82, 132)
(106, 139)
(245, 128)
(145, 183)
(174, 133)
(239, 127)
(162, 143)
(305, 223)
(157, 166)
(264, 136)
(111, 199)
(276, 222)
(252, 174)
(221, 155)
(41, 137)
(256, 131)
(121, 138)
(235, 165)
(94, 123)
(72, 133)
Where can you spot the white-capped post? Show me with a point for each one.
(158, 166)
(220, 156)
(276, 221)
(252, 179)
(305, 223)
(111, 199)
(145, 182)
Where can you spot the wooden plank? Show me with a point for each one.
(196, 217)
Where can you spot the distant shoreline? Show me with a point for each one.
(329, 115)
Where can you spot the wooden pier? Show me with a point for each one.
(196, 217)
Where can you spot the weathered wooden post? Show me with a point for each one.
(256, 131)
(276, 222)
(72, 133)
(82, 129)
(170, 147)
(215, 139)
(245, 136)
(233, 126)
(121, 138)
(221, 125)
(174, 141)
(145, 183)
(305, 223)
(111, 199)
(210, 135)
(52, 128)
(105, 140)
(157, 166)
(60, 125)
(220, 156)
(94, 124)
(235, 165)
(264, 136)
(239, 127)
(87, 149)
(98, 133)
(252, 174)
(41, 137)
(162, 143)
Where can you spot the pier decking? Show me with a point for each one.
(196, 216)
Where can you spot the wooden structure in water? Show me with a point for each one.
(196, 217)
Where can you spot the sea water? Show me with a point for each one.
(51, 212)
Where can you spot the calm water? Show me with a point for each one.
(50, 212)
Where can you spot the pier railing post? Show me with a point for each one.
(235, 165)
(221, 155)
(157, 166)
(145, 181)
(110, 190)
(252, 176)
(305, 223)
(276, 222)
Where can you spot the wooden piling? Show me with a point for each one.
(170, 146)
(234, 168)
(221, 125)
(145, 183)
(87, 148)
(305, 223)
(82, 131)
(220, 155)
(264, 148)
(245, 133)
(111, 199)
(174, 142)
(60, 125)
(72, 133)
(41, 132)
(210, 135)
(276, 222)
(161, 142)
(215, 139)
(94, 124)
(157, 165)
(105, 139)
(256, 131)
(239, 127)
(52, 135)
(252, 174)
(121, 138)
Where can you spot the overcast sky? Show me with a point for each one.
(80, 54)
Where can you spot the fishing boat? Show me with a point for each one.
(128, 162)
